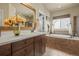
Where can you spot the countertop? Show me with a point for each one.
(24, 35)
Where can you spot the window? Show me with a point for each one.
(62, 23)
(56, 24)
(61, 26)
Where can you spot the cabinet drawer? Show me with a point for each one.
(5, 50)
(18, 45)
(20, 52)
(29, 50)
(29, 41)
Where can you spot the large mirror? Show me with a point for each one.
(12, 14)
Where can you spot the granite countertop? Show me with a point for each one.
(24, 35)
(63, 36)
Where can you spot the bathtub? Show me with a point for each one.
(63, 36)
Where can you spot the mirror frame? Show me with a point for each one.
(28, 5)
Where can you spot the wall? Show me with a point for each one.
(77, 26)
(5, 9)
(8, 10)
(40, 8)
(12, 10)
(74, 11)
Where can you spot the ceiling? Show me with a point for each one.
(59, 6)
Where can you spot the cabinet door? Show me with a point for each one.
(44, 40)
(29, 41)
(37, 44)
(29, 50)
(29, 47)
(5, 50)
(18, 45)
(20, 52)
(18, 48)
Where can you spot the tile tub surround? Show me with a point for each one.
(61, 36)
(68, 46)
(8, 37)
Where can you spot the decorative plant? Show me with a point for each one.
(14, 21)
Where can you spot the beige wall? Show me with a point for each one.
(74, 11)
(5, 9)
(40, 8)
(12, 10)
(8, 10)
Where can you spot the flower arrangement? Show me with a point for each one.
(14, 22)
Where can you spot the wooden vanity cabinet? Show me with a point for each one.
(43, 44)
(40, 45)
(37, 45)
(29, 49)
(18, 48)
(23, 48)
(5, 50)
(34, 46)
(20, 52)
(18, 45)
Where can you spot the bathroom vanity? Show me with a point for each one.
(32, 45)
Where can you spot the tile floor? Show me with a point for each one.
(54, 52)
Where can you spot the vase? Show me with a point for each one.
(17, 31)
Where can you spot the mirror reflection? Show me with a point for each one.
(16, 14)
